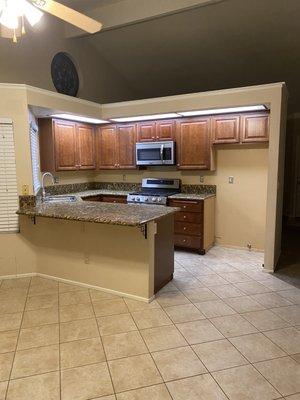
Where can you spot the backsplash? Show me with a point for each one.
(199, 189)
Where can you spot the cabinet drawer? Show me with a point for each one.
(195, 218)
(92, 198)
(187, 228)
(190, 206)
(192, 242)
(114, 199)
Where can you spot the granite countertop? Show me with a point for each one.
(99, 212)
(191, 196)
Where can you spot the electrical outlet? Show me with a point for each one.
(231, 179)
(86, 258)
(201, 179)
(124, 177)
(25, 190)
(56, 179)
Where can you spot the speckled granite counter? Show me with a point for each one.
(191, 196)
(103, 213)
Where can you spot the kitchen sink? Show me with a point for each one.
(59, 199)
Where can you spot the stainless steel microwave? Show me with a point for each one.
(155, 153)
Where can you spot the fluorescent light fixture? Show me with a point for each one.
(79, 118)
(259, 107)
(145, 117)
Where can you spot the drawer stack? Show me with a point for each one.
(189, 222)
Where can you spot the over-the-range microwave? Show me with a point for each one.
(155, 153)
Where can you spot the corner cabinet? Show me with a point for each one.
(116, 147)
(66, 145)
(255, 128)
(193, 144)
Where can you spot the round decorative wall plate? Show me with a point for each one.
(64, 74)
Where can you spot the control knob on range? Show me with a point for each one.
(159, 199)
(154, 199)
(146, 199)
(138, 199)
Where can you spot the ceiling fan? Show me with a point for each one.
(13, 14)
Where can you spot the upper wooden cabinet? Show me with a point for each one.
(255, 128)
(116, 147)
(66, 145)
(226, 129)
(193, 144)
(160, 130)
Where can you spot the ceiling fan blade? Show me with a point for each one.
(69, 15)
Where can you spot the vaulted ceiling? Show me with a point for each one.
(227, 44)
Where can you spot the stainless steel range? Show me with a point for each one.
(155, 191)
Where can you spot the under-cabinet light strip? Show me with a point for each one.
(145, 117)
(259, 107)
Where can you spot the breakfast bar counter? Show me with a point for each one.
(122, 249)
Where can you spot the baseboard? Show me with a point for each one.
(228, 246)
(85, 285)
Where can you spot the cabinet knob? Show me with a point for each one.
(184, 240)
(184, 207)
(184, 228)
(184, 217)
(153, 137)
(178, 165)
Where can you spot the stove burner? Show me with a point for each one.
(155, 191)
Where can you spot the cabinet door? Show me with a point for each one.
(193, 144)
(255, 128)
(165, 130)
(126, 146)
(146, 132)
(107, 147)
(86, 146)
(226, 129)
(65, 145)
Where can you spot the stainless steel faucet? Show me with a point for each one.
(43, 184)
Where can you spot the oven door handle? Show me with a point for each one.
(162, 153)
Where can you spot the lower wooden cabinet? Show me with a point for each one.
(194, 224)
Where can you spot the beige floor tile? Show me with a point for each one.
(293, 295)
(245, 383)
(10, 322)
(256, 347)
(212, 280)
(43, 287)
(157, 392)
(42, 301)
(252, 287)
(293, 397)
(112, 397)
(163, 338)
(124, 345)
(35, 361)
(201, 387)
(97, 295)
(134, 305)
(17, 283)
(171, 299)
(214, 308)
(76, 330)
(66, 287)
(6, 361)
(81, 352)
(169, 287)
(75, 312)
(287, 338)
(265, 320)
(233, 325)
(86, 382)
(114, 324)
(76, 297)
(184, 313)
(199, 331)
(290, 314)
(40, 317)
(45, 387)
(9, 305)
(38, 336)
(199, 295)
(276, 284)
(178, 363)
(244, 304)
(110, 307)
(3, 388)
(283, 373)
(134, 372)
(270, 300)
(296, 357)
(151, 318)
(226, 291)
(235, 277)
(218, 355)
(8, 341)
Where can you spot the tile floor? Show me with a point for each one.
(223, 329)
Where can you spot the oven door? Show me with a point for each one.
(155, 153)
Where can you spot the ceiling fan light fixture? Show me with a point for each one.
(32, 14)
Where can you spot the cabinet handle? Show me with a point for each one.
(178, 165)
(184, 217)
(184, 207)
(184, 228)
(153, 137)
(184, 240)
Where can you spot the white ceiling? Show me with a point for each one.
(229, 44)
(88, 4)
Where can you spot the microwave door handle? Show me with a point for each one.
(162, 153)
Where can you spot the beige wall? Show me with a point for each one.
(29, 61)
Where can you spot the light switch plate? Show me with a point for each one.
(231, 179)
(201, 179)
